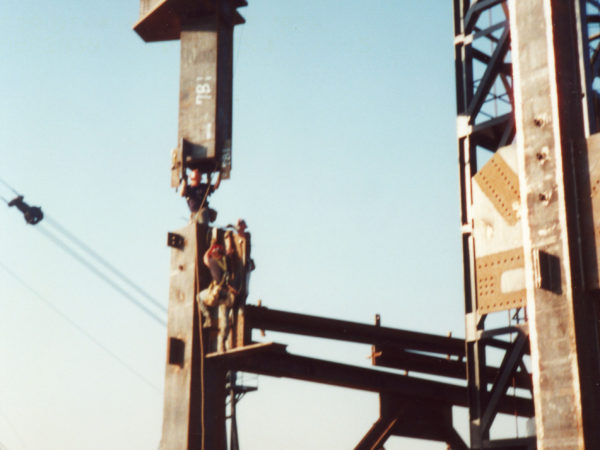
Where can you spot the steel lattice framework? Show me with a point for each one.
(590, 40)
(485, 124)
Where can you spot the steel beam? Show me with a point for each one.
(428, 364)
(527, 443)
(492, 70)
(378, 434)
(509, 365)
(419, 419)
(555, 190)
(160, 20)
(271, 319)
(274, 361)
(477, 7)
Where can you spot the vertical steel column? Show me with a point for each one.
(205, 96)
(179, 415)
(205, 29)
(194, 404)
(554, 179)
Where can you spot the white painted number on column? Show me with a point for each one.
(203, 90)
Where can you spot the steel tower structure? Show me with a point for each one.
(527, 105)
(527, 102)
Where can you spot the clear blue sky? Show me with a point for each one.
(344, 167)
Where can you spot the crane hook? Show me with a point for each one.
(32, 214)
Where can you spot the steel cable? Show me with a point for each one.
(9, 186)
(105, 263)
(100, 275)
(80, 329)
(98, 258)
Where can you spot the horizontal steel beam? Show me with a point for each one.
(433, 365)
(494, 133)
(475, 11)
(527, 443)
(275, 361)
(270, 319)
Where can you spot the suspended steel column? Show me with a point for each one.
(205, 29)
(558, 223)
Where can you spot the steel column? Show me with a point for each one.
(554, 179)
(194, 404)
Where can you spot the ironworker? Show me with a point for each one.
(196, 194)
(241, 229)
(242, 264)
(32, 214)
(219, 296)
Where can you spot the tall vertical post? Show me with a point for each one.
(194, 406)
(555, 193)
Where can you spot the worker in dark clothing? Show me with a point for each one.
(196, 193)
(32, 214)
(242, 264)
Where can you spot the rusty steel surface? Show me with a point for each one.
(433, 365)
(205, 28)
(195, 386)
(501, 185)
(161, 20)
(205, 95)
(378, 434)
(198, 87)
(194, 402)
(403, 416)
(275, 362)
(592, 252)
(180, 352)
(419, 419)
(490, 270)
(556, 204)
(287, 322)
(391, 348)
(497, 233)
